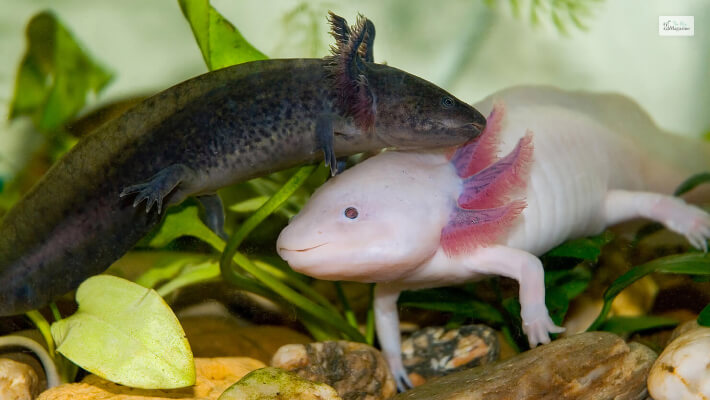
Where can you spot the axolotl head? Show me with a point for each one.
(411, 112)
(375, 222)
(400, 109)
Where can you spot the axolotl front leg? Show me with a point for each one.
(177, 179)
(500, 260)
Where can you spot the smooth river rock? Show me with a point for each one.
(18, 381)
(214, 375)
(276, 384)
(357, 371)
(590, 366)
(682, 371)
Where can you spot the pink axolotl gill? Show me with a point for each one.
(550, 166)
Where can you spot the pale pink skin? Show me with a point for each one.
(589, 170)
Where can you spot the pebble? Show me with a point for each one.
(18, 381)
(682, 371)
(436, 351)
(356, 371)
(590, 366)
(214, 375)
(276, 384)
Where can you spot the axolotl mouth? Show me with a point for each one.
(302, 250)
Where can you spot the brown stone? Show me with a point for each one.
(18, 381)
(276, 384)
(214, 375)
(224, 337)
(357, 371)
(594, 365)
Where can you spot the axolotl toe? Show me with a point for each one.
(550, 166)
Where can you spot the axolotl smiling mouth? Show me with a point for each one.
(283, 249)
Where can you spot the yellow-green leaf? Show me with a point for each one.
(55, 75)
(220, 42)
(127, 334)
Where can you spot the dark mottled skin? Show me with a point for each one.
(225, 126)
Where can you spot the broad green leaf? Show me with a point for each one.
(626, 325)
(185, 221)
(561, 287)
(584, 249)
(570, 282)
(220, 42)
(127, 334)
(690, 183)
(55, 75)
(686, 263)
(557, 304)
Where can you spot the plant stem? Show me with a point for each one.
(230, 253)
(347, 310)
(55, 311)
(271, 205)
(43, 326)
(298, 300)
(370, 323)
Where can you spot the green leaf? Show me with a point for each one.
(190, 274)
(570, 282)
(562, 286)
(55, 75)
(220, 42)
(448, 300)
(127, 334)
(690, 183)
(584, 249)
(704, 316)
(626, 325)
(168, 267)
(249, 205)
(185, 221)
(687, 263)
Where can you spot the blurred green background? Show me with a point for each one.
(470, 47)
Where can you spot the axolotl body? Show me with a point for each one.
(550, 165)
(214, 130)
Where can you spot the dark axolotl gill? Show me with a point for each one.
(214, 130)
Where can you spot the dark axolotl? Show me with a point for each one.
(214, 130)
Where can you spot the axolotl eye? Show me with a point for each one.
(351, 213)
(447, 102)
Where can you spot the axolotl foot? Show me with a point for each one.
(402, 380)
(685, 219)
(538, 325)
(158, 187)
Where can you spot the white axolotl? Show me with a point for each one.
(574, 163)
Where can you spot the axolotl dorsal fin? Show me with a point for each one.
(484, 210)
(348, 69)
